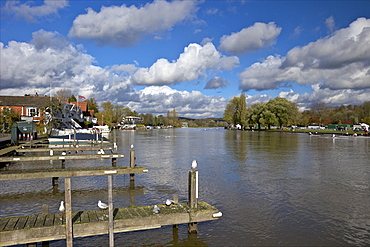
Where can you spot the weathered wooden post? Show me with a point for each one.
(54, 181)
(114, 140)
(132, 162)
(74, 137)
(68, 208)
(45, 210)
(193, 195)
(175, 228)
(110, 212)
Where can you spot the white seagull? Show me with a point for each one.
(61, 207)
(156, 209)
(102, 205)
(194, 164)
(169, 202)
(132, 146)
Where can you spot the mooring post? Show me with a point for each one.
(45, 210)
(175, 198)
(114, 140)
(74, 137)
(110, 212)
(68, 209)
(132, 162)
(193, 197)
(54, 181)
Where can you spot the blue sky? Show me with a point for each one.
(192, 56)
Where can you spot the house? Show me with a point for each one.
(29, 107)
(130, 122)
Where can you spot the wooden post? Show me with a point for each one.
(54, 181)
(175, 198)
(110, 212)
(45, 210)
(68, 209)
(114, 140)
(193, 198)
(74, 137)
(132, 163)
(193, 189)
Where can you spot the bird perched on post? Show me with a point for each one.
(61, 207)
(194, 165)
(102, 205)
(156, 209)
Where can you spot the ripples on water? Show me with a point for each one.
(273, 188)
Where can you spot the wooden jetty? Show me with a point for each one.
(47, 227)
(60, 157)
(69, 172)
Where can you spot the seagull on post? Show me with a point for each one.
(194, 165)
(61, 207)
(102, 205)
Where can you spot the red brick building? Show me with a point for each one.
(28, 107)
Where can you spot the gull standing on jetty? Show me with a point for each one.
(102, 205)
(156, 209)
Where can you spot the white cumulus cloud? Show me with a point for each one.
(339, 61)
(49, 60)
(192, 63)
(32, 13)
(160, 99)
(124, 26)
(250, 39)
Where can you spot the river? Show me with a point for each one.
(274, 189)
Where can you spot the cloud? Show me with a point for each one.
(49, 60)
(192, 64)
(50, 63)
(250, 39)
(32, 13)
(297, 31)
(160, 99)
(329, 97)
(124, 26)
(216, 82)
(330, 24)
(340, 61)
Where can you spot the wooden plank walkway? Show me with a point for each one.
(47, 227)
(69, 172)
(60, 149)
(60, 157)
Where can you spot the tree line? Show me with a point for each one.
(282, 112)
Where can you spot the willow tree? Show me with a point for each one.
(285, 111)
(236, 110)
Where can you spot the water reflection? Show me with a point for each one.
(273, 188)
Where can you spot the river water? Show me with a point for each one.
(274, 189)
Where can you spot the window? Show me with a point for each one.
(33, 112)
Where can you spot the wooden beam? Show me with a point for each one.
(47, 149)
(60, 157)
(126, 219)
(69, 172)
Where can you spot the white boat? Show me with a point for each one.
(78, 138)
